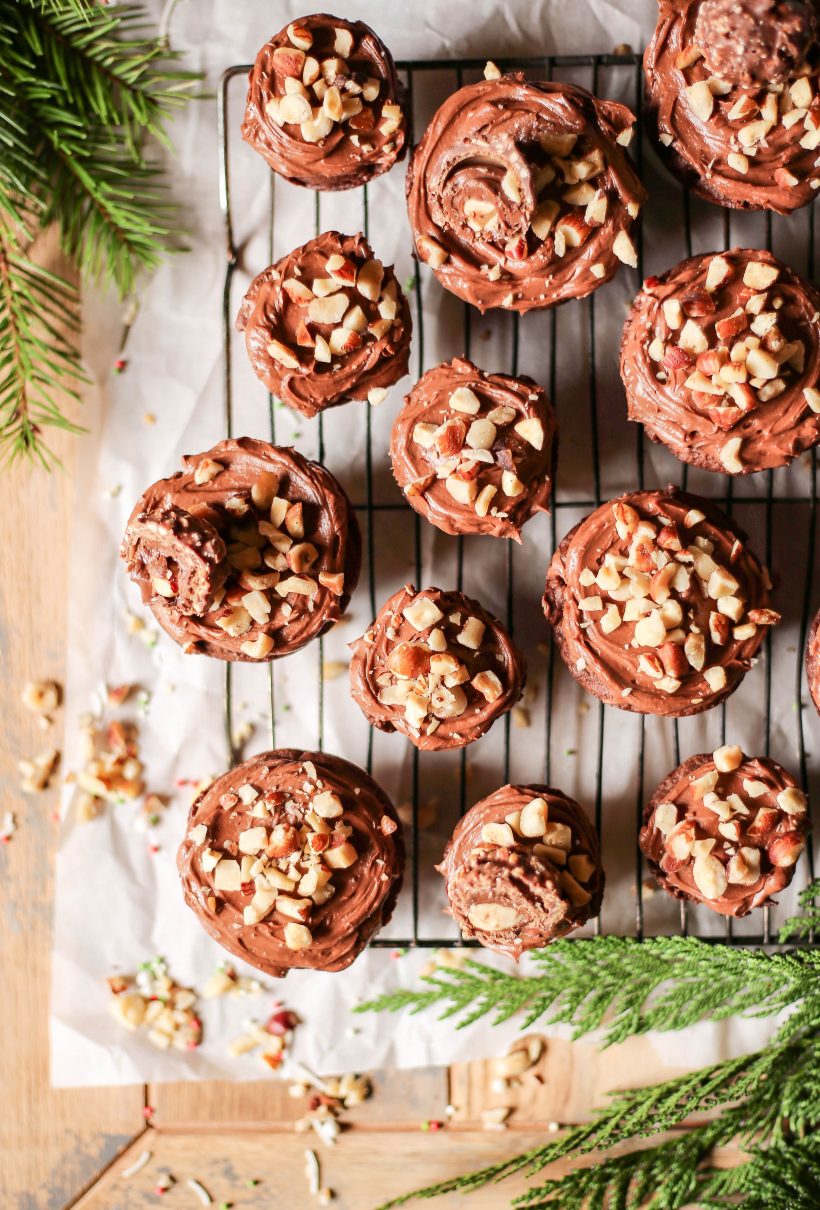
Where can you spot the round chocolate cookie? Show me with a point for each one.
(292, 859)
(732, 90)
(725, 830)
(474, 453)
(326, 324)
(520, 195)
(247, 553)
(720, 359)
(657, 604)
(813, 661)
(437, 667)
(325, 107)
(523, 868)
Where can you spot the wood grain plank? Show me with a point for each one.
(53, 1143)
(569, 1082)
(363, 1170)
(398, 1098)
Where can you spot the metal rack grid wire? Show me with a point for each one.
(626, 71)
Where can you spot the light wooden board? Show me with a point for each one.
(363, 1171)
(54, 1145)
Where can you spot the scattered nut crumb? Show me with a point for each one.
(151, 1001)
(42, 698)
(36, 774)
(333, 669)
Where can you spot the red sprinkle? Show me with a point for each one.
(281, 1022)
(119, 365)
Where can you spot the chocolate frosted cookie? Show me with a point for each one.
(732, 88)
(523, 868)
(520, 195)
(725, 830)
(474, 453)
(292, 859)
(720, 359)
(325, 107)
(437, 667)
(326, 324)
(247, 553)
(813, 661)
(657, 604)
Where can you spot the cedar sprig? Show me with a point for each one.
(86, 94)
(673, 982)
(768, 1101)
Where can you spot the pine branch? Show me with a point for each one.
(673, 982)
(750, 1092)
(38, 320)
(768, 1101)
(84, 93)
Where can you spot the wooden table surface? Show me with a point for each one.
(64, 1148)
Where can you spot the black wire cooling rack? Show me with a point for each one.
(573, 353)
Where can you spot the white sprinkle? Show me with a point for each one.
(312, 1172)
(304, 1075)
(8, 826)
(201, 1192)
(327, 1129)
(138, 1164)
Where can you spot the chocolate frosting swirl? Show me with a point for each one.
(179, 553)
(813, 660)
(523, 868)
(325, 107)
(735, 144)
(755, 42)
(292, 859)
(475, 453)
(657, 604)
(720, 359)
(520, 194)
(326, 324)
(437, 667)
(247, 553)
(725, 830)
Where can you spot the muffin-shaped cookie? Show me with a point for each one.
(326, 324)
(733, 94)
(325, 107)
(247, 553)
(725, 830)
(813, 661)
(292, 859)
(720, 359)
(657, 604)
(520, 195)
(474, 453)
(523, 868)
(437, 667)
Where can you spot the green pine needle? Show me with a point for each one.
(768, 1102)
(86, 94)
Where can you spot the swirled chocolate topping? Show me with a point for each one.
(247, 553)
(523, 868)
(474, 452)
(292, 859)
(325, 107)
(326, 324)
(437, 667)
(657, 604)
(755, 42)
(743, 145)
(725, 830)
(813, 661)
(720, 359)
(520, 195)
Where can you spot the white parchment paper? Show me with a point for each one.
(117, 901)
